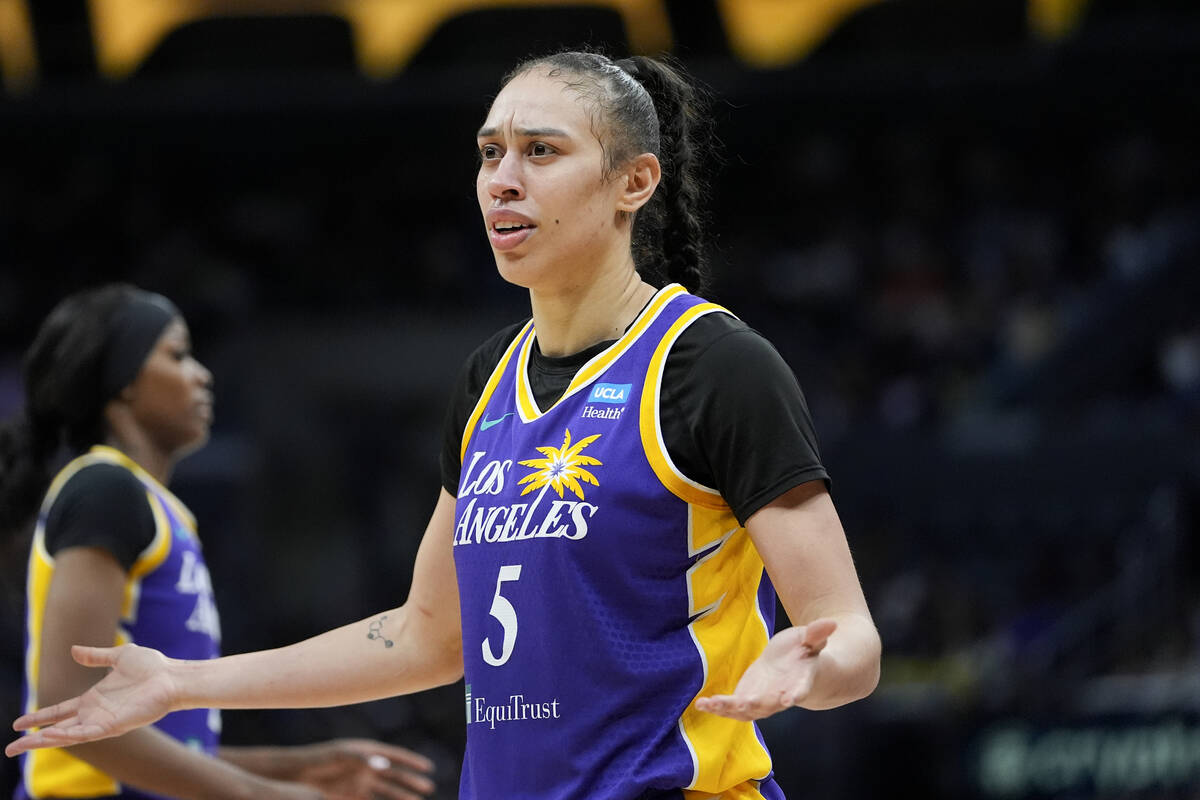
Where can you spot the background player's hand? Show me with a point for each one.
(362, 769)
(136, 692)
(781, 677)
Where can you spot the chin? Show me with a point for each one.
(518, 270)
(193, 443)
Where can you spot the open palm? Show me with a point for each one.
(781, 677)
(136, 692)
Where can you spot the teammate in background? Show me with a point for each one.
(628, 478)
(116, 558)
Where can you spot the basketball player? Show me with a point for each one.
(116, 558)
(628, 478)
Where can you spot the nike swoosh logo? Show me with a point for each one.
(487, 423)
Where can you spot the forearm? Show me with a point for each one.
(399, 652)
(848, 666)
(280, 763)
(149, 760)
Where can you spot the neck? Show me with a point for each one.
(572, 319)
(138, 447)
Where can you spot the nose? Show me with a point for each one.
(203, 376)
(505, 182)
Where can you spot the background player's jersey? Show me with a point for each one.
(168, 605)
(601, 591)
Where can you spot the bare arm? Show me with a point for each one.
(410, 648)
(831, 654)
(344, 768)
(413, 647)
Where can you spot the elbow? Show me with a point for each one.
(451, 667)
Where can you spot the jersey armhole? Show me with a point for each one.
(650, 421)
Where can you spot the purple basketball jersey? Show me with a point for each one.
(601, 590)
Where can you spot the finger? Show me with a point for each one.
(52, 737)
(383, 788)
(47, 716)
(817, 633)
(414, 781)
(402, 756)
(95, 656)
(722, 704)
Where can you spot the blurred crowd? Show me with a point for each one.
(993, 316)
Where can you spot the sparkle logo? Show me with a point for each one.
(562, 467)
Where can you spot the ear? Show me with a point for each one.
(641, 178)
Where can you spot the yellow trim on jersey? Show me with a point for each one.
(743, 791)
(53, 772)
(527, 406)
(723, 587)
(488, 389)
(676, 482)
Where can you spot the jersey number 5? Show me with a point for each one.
(506, 615)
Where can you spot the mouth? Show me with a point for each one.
(507, 234)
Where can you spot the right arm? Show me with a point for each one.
(416, 646)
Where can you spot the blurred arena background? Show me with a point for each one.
(971, 227)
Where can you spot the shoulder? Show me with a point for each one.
(721, 344)
(101, 505)
(100, 481)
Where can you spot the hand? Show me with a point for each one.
(781, 677)
(136, 692)
(361, 769)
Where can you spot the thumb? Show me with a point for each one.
(95, 656)
(817, 633)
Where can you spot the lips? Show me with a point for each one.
(508, 229)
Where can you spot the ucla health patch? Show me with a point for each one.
(616, 393)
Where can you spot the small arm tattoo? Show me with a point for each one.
(375, 631)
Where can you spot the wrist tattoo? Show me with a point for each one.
(375, 631)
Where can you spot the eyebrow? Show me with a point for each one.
(528, 133)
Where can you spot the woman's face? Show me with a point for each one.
(171, 397)
(548, 206)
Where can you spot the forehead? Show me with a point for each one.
(536, 100)
(175, 331)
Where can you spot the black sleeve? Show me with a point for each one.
(104, 506)
(471, 380)
(734, 416)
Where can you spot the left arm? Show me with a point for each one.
(341, 767)
(831, 654)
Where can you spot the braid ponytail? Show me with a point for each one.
(26, 446)
(678, 246)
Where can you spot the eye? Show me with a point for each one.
(489, 152)
(540, 149)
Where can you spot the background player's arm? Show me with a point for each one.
(350, 664)
(831, 654)
(83, 607)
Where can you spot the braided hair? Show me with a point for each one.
(648, 105)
